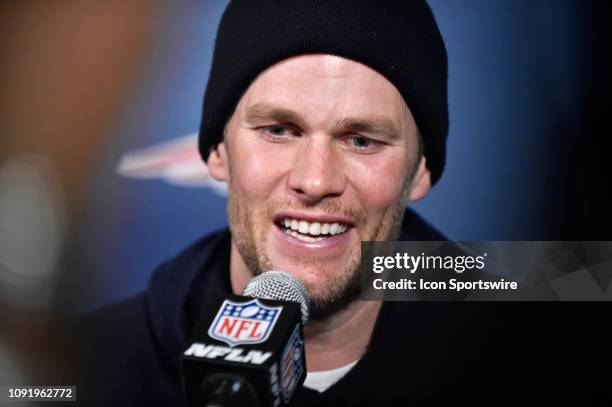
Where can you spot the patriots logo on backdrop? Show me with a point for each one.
(176, 162)
(244, 322)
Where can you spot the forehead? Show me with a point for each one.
(327, 88)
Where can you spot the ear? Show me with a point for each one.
(218, 163)
(421, 183)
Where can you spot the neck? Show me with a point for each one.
(337, 340)
(341, 338)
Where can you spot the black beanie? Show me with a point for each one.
(397, 38)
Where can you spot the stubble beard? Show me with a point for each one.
(250, 229)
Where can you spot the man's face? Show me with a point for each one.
(318, 156)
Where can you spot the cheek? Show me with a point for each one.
(379, 181)
(254, 172)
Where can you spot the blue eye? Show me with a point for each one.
(278, 132)
(362, 144)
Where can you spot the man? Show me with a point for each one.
(321, 151)
(333, 127)
(325, 118)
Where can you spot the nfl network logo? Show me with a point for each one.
(244, 322)
(291, 364)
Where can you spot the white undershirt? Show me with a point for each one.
(323, 380)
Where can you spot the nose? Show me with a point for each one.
(317, 170)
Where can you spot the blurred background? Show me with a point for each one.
(85, 84)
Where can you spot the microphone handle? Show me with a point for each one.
(227, 390)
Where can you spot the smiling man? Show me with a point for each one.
(303, 154)
(332, 126)
(326, 119)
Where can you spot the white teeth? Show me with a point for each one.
(315, 228)
(333, 229)
(304, 227)
(302, 237)
(325, 229)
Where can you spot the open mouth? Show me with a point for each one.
(308, 231)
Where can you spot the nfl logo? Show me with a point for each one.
(244, 322)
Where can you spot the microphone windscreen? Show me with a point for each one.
(280, 286)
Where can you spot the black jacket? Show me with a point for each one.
(420, 353)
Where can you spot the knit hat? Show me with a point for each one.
(397, 38)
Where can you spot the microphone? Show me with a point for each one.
(249, 350)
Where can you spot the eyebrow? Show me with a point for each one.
(373, 124)
(264, 111)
